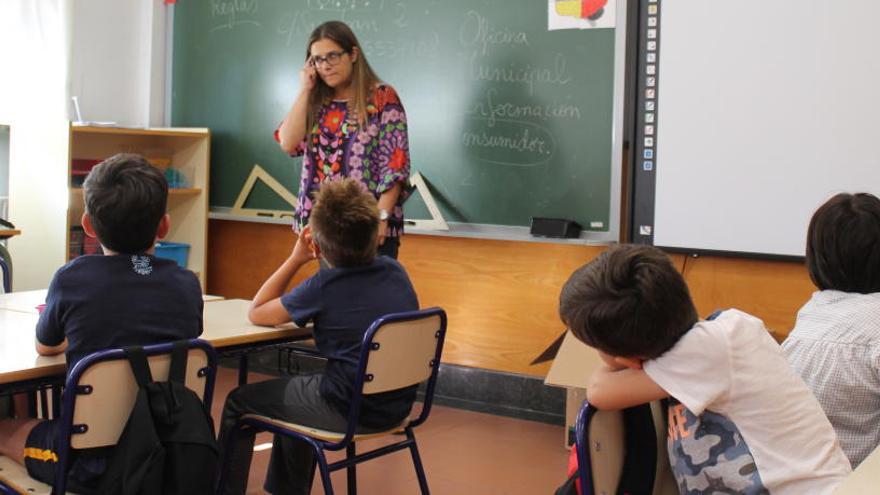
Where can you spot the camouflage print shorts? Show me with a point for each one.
(708, 454)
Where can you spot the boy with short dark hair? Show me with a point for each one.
(835, 344)
(739, 419)
(122, 298)
(342, 300)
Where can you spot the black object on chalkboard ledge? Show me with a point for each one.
(555, 227)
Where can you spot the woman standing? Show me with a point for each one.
(346, 123)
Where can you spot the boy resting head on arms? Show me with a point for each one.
(739, 419)
(125, 297)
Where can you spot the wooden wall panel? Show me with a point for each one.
(502, 296)
(770, 290)
(245, 254)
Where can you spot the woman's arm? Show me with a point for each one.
(266, 308)
(293, 128)
(387, 202)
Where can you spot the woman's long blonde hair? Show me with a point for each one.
(363, 79)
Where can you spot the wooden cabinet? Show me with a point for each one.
(186, 151)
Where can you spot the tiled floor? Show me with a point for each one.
(463, 452)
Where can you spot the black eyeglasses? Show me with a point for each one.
(330, 59)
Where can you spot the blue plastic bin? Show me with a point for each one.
(175, 251)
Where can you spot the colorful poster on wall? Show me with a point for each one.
(580, 14)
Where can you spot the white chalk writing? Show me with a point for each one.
(230, 12)
(533, 143)
(492, 109)
(476, 31)
(527, 75)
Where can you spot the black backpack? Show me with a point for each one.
(168, 445)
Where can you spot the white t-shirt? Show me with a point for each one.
(745, 421)
(835, 348)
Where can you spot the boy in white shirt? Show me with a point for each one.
(740, 421)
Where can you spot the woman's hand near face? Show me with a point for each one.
(307, 78)
(293, 129)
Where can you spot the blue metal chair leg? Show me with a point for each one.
(325, 471)
(351, 470)
(417, 462)
(44, 403)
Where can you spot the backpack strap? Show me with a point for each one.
(640, 447)
(139, 367)
(179, 355)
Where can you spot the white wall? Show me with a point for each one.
(4, 165)
(35, 35)
(38, 201)
(111, 54)
(117, 61)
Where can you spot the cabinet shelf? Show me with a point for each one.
(184, 191)
(174, 191)
(186, 149)
(196, 132)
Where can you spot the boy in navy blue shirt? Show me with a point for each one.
(125, 297)
(354, 289)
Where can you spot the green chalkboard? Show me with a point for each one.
(507, 119)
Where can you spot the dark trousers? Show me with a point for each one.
(294, 399)
(390, 247)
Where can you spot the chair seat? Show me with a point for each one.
(15, 476)
(327, 436)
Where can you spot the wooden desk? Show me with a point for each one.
(226, 327)
(19, 361)
(7, 233)
(28, 300)
(865, 479)
(24, 301)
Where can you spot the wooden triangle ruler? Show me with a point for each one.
(416, 183)
(437, 222)
(259, 173)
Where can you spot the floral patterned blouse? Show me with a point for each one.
(336, 147)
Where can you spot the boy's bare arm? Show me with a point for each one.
(50, 350)
(619, 389)
(266, 308)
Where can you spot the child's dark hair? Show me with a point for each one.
(628, 302)
(125, 198)
(345, 223)
(843, 244)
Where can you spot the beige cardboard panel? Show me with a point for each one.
(574, 364)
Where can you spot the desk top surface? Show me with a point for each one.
(4, 233)
(226, 325)
(865, 478)
(28, 300)
(18, 356)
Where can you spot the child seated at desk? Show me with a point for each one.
(125, 297)
(740, 421)
(354, 289)
(835, 344)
